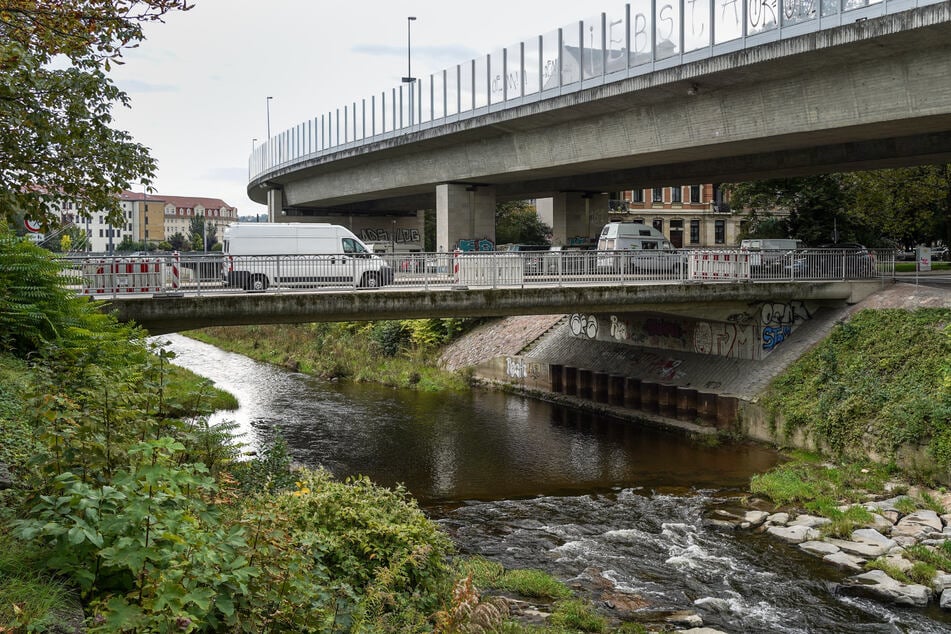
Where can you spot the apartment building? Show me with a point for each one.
(689, 215)
(158, 217)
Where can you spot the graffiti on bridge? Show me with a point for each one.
(399, 235)
(584, 325)
(779, 320)
(469, 245)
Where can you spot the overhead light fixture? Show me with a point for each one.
(693, 90)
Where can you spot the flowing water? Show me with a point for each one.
(597, 502)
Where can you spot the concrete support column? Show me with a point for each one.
(464, 213)
(574, 217)
(275, 204)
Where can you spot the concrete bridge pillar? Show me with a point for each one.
(465, 215)
(275, 204)
(574, 217)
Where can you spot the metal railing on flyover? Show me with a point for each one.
(172, 274)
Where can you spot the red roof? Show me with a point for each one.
(189, 202)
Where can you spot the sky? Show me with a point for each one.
(199, 82)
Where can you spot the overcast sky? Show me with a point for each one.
(199, 81)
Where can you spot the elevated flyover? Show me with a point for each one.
(804, 91)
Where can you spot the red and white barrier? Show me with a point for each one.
(176, 275)
(107, 276)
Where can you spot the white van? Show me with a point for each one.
(769, 252)
(645, 248)
(259, 255)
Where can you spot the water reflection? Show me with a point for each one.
(458, 446)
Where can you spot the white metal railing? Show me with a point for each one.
(637, 38)
(170, 274)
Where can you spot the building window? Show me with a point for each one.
(694, 232)
(100, 233)
(637, 196)
(658, 195)
(675, 195)
(695, 193)
(639, 220)
(658, 224)
(719, 232)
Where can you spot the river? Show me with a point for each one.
(591, 500)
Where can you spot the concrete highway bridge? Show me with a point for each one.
(661, 93)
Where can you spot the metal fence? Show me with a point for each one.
(102, 276)
(636, 38)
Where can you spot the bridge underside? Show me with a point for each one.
(867, 95)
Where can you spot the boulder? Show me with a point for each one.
(685, 618)
(755, 518)
(881, 523)
(862, 549)
(941, 583)
(843, 560)
(819, 549)
(878, 585)
(794, 534)
(778, 518)
(918, 525)
(945, 600)
(872, 536)
(702, 630)
(812, 521)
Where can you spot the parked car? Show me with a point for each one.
(569, 260)
(834, 261)
(534, 259)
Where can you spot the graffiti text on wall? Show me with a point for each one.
(515, 368)
(726, 340)
(399, 236)
(583, 325)
(779, 319)
(476, 245)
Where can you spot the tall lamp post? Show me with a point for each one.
(267, 104)
(409, 79)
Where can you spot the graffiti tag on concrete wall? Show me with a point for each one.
(399, 235)
(515, 368)
(476, 245)
(725, 340)
(779, 320)
(583, 325)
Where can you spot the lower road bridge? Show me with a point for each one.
(177, 313)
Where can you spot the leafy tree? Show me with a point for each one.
(56, 101)
(518, 222)
(816, 205)
(202, 234)
(909, 205)
(177, 242)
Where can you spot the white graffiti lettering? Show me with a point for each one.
(515, 368)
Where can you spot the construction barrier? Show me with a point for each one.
(490, 269)
(719, 265)
(108, 276)
(176, 275)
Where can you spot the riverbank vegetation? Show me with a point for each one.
(126, 512)
(151, 521)
(879, 386)
(394, 353)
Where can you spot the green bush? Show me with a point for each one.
(859, 390)
(577, 615)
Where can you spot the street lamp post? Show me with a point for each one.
(409, 79)
(267, 103)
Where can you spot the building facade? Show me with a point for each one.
(691, 216)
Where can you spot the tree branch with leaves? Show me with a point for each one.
(56, 100)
